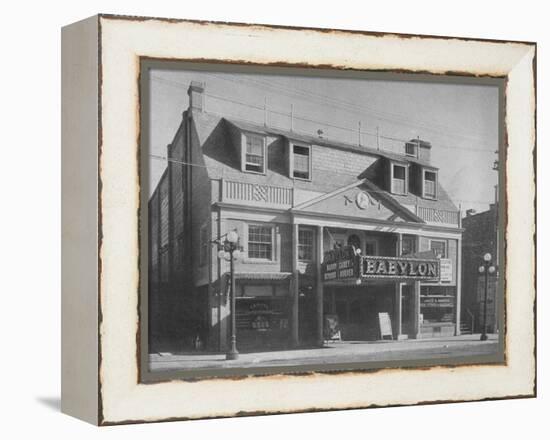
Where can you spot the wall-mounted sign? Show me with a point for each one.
(437, 301)
(340, 264)
(400, 267)
(446, 270)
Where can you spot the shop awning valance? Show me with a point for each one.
(263, 276)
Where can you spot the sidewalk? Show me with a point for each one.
(334, 352)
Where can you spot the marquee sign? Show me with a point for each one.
(343, 264)
(400, 267)
(340, 264)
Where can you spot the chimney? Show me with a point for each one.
(196, 96)
(420, 148)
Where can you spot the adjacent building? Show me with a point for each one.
(480, 237)
(298, 204)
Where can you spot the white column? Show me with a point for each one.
(416, 309)
(319, 285)
(398, 311)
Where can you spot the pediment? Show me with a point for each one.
(360, 200)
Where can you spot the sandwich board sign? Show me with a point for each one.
(385, 325)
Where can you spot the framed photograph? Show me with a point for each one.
(336, 219)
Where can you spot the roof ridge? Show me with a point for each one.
(331, 143)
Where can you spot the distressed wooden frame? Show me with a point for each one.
(100, 249)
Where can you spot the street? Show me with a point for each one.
(334, 352)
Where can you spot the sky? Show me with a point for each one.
(459, 120)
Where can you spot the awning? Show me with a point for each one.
(262, 276)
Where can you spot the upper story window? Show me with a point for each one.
(300, 162)
(439, 247)
(254, 160)
(408, 245)
(260, 242)
(410, 149)
(399, 179)
(430, 184)
(305, 245)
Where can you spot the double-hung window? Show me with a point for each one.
(399, 179)
(301, 162)
(260, 242)
(254, 160)
(305, 245)
(430, 183)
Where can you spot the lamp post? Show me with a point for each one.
(486, 268)
(229, 251)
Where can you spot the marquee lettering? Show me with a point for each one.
(341, 264)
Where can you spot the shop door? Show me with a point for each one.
(307, 319)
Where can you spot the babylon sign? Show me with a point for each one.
(400, 267)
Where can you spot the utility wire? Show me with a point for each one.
(323, 123)
(350, 130)
(345, 105)
(180, 162)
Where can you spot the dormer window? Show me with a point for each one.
(254, 160)
(410, 149)
(399, 179)
(300, 161)
(429, 184)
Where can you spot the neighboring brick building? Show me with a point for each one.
(292, 198)
(479, 237)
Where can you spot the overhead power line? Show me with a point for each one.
(181, 162)
(302, 118)
(353, 108)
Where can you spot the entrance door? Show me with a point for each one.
(307, 318)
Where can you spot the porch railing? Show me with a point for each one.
(434, 215)
(255, 193)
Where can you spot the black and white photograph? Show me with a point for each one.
(307, 221)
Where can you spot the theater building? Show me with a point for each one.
(326, 229)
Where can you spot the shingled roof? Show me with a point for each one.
(221, 160)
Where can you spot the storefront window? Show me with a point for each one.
(437, 304)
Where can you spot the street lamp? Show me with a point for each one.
(229, 251)
(486, 268)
